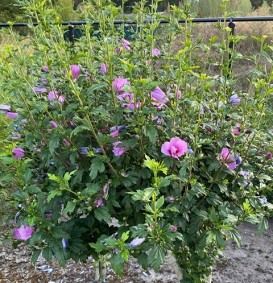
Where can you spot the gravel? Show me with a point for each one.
(251, 263)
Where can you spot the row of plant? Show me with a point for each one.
(129, 148)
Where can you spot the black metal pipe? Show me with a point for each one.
(130, 22)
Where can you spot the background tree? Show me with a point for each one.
(9, 11)
(163, 5)
(256, 4)
(269, 2)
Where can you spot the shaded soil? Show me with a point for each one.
(251, 263)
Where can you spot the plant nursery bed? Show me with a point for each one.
(251, 263)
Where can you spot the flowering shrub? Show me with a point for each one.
(8, 167)
(131, 148)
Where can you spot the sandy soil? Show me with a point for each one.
(252, 263)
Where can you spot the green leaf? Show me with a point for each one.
(125, 254)
(165, 182)
(96, 167)
(143, 195)
(54, 178)
(223, 188)
(33, 189)
(143, 260)
(53, 143)
(213, 216)
(155, 166)
(151, 133)
(69, 208)
(172, 208)
(102, 214)
(220, 239)
(183, 169)
(6, 160)
(263, 226)
(214, 166)
(125, 236)
(59, 255)
(35, 256)
(98, 247)
(59, 233)
(117, 263)
(156, 257)
(53, 194)
(100, 111)
(95, 87)
(90, 190)
(47, 253)
(160, 202)
(68, 175)
(79, 129)
(235, 236)
(269, 205)
(264, 177)
(211, 237)
(111, 242)
(78, 176)
(27, 175)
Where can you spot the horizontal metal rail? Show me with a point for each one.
(131, 22)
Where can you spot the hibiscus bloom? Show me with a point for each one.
(136, 242)
(40, 89)
(23, 233)
(119, 83)
(159, 97)
(18, 152)
(125, 44)
(75, 71)
(103, 68)
(230, 159)
(234, 99)
(156, 52)
(118, 150)
(53, 124)
(175, 147)
(12, 115)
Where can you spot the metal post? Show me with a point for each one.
(231, 25)
(71, 34)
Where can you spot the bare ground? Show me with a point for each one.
(251, 263)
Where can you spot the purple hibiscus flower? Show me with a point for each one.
(99, 202)
(117, 150)
(230, 160)
(12, 115)
(136, 242)
(175, 147)
(156, 52)
(159, 97)
(268, 156)
(5, 107)
(23, 233)
(40, 89)
(83, 150)
(103, 68)
(114, 131)
(52, 95)
(53, 124)
(125, 44)
(75, 71)
(234, 99)
(119, 83)
(18, 152)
